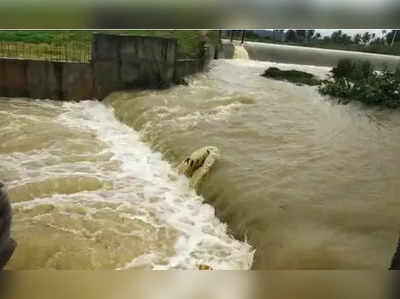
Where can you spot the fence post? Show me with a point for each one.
(243, 35)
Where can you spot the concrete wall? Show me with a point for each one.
(126, 62)
(45, 79)
(186, 67)
(227, 50)
(118, 62)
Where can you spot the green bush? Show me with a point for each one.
(352, 70)
(357, 81)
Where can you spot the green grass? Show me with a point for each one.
(297, 77)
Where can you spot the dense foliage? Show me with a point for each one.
(357, 81)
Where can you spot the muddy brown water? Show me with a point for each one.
(307, 183)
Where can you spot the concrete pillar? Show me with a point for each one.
(128, 62)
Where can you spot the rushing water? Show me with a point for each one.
(88, 194)
(306, 182)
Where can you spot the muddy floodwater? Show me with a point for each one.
(303, 181)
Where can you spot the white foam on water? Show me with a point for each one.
(147, 181)
(185, 120)
(319, 71)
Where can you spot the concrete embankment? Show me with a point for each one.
(307, 55)
(118, 62)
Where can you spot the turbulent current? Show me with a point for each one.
(301, 182)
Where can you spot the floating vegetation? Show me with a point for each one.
(297, 77)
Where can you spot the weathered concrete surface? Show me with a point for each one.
(186, 67)
(129, 62)
(118, 62)
(3, 84)
(107, 78)
(15, 84)
(211, 51)
(105, 47)
(43, 79)
(227, 50)
(77, 81)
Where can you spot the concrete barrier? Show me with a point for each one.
(186, 67)
(15, 82)
(227, 50)
(118, 62)
(126, 62)
(77, 81)
(43, 79)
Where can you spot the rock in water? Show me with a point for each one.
(198, 165)
(7, 245)
(204, 267)
(395, 264)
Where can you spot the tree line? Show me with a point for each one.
(388, 42)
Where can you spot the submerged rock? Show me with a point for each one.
(199, 164)
(205, 267)
(395, 264)
(7, 245)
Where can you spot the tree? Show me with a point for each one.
(345, 39)
(366, 37)
(301, 35)
(392, 37)
(317, 35)
(309, 34)
(291, 36)
(357, 38)
(336, 36)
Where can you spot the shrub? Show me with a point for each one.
(352, 70)
(357, 81)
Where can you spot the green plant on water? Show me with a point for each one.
(357, 81)
(293, 76)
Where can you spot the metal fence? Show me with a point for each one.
(73, 51)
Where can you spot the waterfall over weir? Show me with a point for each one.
(240, 52)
